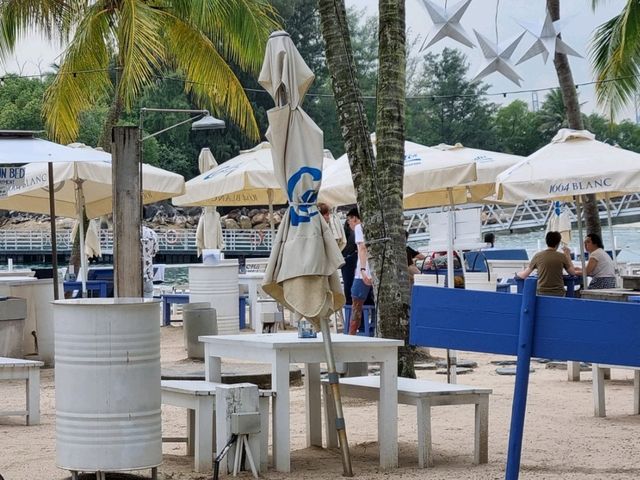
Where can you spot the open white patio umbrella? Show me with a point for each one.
(84, 187)
(20, 147)
(209, 230)
(572, 165)
(302, 270)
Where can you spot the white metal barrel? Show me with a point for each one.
(107, 379)
(218, 285)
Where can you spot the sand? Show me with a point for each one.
(563, 440)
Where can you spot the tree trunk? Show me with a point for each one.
(112, 119)
(574, 116)
(387, 260)
(393, 297)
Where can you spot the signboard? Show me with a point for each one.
(10, 177)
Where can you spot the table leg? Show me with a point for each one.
(573, 371)
(191, 432)
(423, 414)
(33, 396)
(312, 403)
(203, 457)
(329, 417)
(281, 420)
(212, 365)
(598, 391)
(388, 413)
(636, 392)
(253, 300)
(166, 312)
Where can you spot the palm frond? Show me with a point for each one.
(238, 28)
(615, 56)
(53, 18)
(141, 49)
(208, 76)
(82, 78)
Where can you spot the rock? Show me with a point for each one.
(253, 212)
(425, 366)
(245, 222)
(460, 363)
(258, 218)
(459, 371)
(262, 226)
(231, 224)
(509, 370)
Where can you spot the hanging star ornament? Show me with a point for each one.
(498, 58)
(446, 23)
(547, 39)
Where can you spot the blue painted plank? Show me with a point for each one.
(565, 329)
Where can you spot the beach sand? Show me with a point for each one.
(563, 440)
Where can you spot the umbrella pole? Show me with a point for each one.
(612, 239)
(451, 354)
(270, 196)
(581, 239)
(83, 258)
(335, 390)
(54, 239)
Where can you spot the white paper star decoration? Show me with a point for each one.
(547, 39)
(498, 58)
(446, 23)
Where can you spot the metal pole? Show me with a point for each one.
(452, 360)
(335, 390)
(54, 240)
(612, 238)
(83, 257)
(581, 239)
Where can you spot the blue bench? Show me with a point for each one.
(181, 298)
(95, 288)
(525, 325)
(367, 325)
(477, 261)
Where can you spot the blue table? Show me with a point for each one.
(99, 286)
(167, 300)
(570, 282)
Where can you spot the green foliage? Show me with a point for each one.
(517, 128)
(462, 116)
(21, 103)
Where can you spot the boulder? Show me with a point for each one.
(231, 224)
(244, 222)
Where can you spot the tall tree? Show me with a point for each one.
(197, 37)
(574, 118)
(373, 178)
(449, 108)
(515, 126)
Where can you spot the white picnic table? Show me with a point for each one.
(283, 349)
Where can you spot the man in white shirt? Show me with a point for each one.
(362, 278)
(149, 249)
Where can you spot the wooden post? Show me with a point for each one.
(127, 213)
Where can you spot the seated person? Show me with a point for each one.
(550, 264)
(490, 238)
(600, 266)
(412, 256)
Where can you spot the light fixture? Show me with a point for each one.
(208, 122)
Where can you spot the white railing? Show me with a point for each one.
(170, 240)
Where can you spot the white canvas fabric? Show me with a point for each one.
(92, 246)
(574, 163)
(428, 173)
(33, 196)
(206, 160)
(561, 223)
(209, 230)
(302, 269)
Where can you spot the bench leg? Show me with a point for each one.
(636, 392)
(313, 404)
(203, 458)
(329, 417)
(598, 391)
(33, 396)
(481, 441)
(425, 453)
(573, 371)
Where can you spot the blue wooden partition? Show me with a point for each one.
(525, 325)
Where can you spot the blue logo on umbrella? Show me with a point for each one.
(299, 212)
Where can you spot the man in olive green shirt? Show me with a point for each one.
(550, 264)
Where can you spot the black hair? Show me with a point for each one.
(490, 238)
(595, 239)
(553, 239)
(353, 213)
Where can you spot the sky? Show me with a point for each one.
(34, 55)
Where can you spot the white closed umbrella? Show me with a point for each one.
(302, 270)
(572, 165)
(209, 230)
(560, 221)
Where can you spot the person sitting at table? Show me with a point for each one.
(412, 256)
(550, 264)
(600, 266)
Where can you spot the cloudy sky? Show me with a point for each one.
(34, 55)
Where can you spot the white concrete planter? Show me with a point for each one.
(107, 355)
(218, 285)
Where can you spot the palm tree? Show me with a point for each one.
(144, 38)
(574, 117)
(615, 55)
(388, 258)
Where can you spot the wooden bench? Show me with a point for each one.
(198, 397)
(29, 370)
(424, 394)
